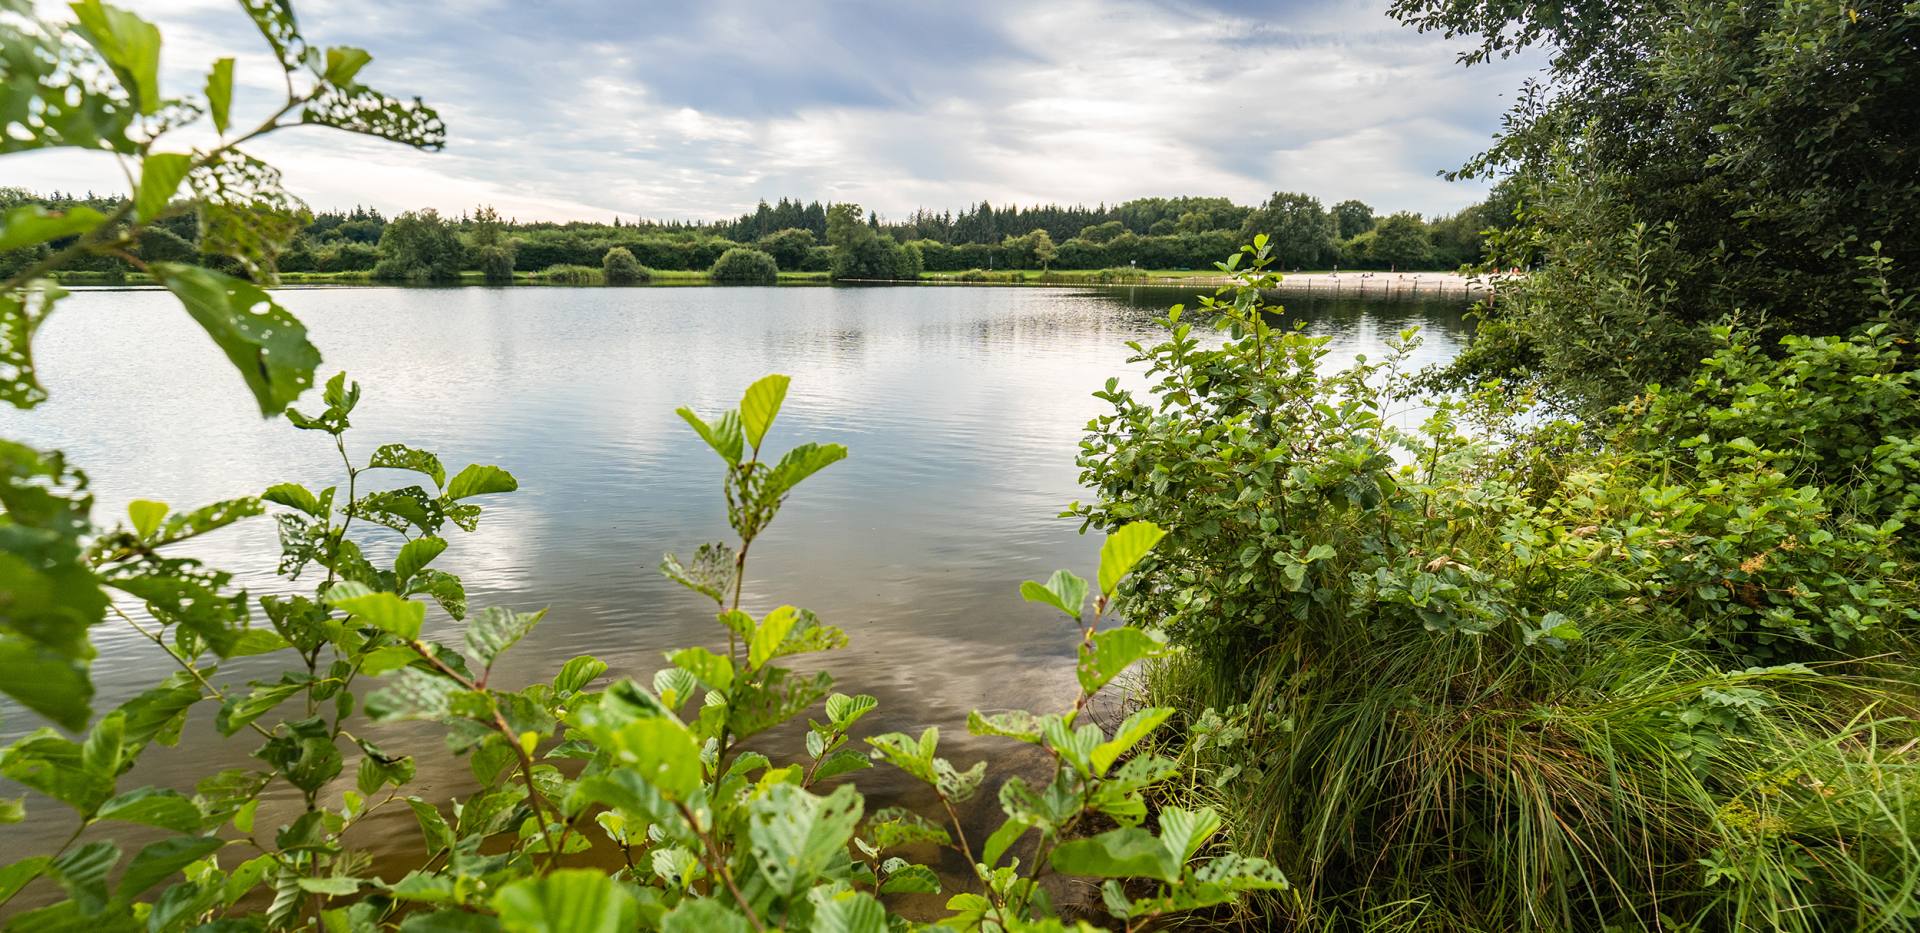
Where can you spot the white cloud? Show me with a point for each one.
(697, 110)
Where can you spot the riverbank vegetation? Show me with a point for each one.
(1618, 632)
(426, 247)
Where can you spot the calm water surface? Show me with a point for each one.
(962, 408)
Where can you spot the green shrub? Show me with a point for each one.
(568, 275)
(495, 262)
(745, 266)
(420, 247)
(619, 267)
(1544, 677)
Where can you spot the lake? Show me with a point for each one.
(962, 408)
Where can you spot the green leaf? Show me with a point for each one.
(402, 457)
(577, 673)
(433, 826)
(414, 555)
(162, 860)
(238, 711)
(160, 176)
(154, 806)
(275, 21)
(495, 629)
(263, 341)
(478, 480)
(1185, 831)
(1112, 652)
(659, 749)
(220, 93)
(845, 710)
(1063, 591)
(445, 588)
(1128, 852)
(712, 670)
(360, 109)
(384, 611)
(1240, 873)
(1003, 839)
(146, 515)
(343, 63)
(914, 756)
(906, 878)
(796, 835)
(45, 681)
(723, 436)
(22, 311)
(54, 766)
(296, 496)
(840, 761)
(131, 47)
(331, 886)
(570, 900)
(769, 634)
(245, 212)
(1136, 727)
(27, 224)
(413, 694)
(17, 875)
(83, 871)
(848, 912)
(897, 826)
(711, 575)
(1123, 549)
(760, 405)
(703, 915)
(1013, 724)
(801, 462)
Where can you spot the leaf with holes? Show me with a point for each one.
(495, 629)
(21, 313)
(357, 108)
(262, 340)
(402, 457)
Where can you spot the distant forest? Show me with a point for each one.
(1147, 233)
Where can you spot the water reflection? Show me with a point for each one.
(961, 406)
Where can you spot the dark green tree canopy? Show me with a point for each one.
(1687, 162)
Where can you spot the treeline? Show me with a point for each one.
(1147, 233)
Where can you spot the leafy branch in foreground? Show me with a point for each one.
(711, 833)
(93, 84)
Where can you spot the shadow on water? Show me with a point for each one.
(962, 408)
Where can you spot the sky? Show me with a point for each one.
(696, 110)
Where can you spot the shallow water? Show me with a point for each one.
(962, 408)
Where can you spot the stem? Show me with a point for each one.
(77, 830)
(92, 238)
(716, 866)
(340, 444)
(204, 683)
(500, 725)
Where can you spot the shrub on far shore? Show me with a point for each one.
(745, 266)
(562, 274)
(619, 267)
